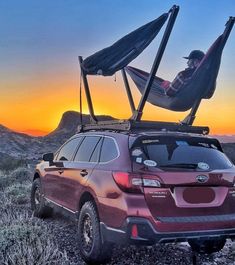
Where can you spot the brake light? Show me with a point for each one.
(134, 183)
(134, 231)
(128, 182)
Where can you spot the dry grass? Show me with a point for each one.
(17, 176)
(24, 240)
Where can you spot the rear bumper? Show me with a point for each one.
(147, 235)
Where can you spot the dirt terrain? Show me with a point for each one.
(64, 232)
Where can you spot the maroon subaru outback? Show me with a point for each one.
(139, 188)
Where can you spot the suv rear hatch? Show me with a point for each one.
(195, 178)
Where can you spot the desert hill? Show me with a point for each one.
(20, 145)
(23, 146)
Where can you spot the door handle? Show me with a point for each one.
(61, 171)
(83, 172)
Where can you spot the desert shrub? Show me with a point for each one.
(18, 193)
(19, 175)
(5, 201)
(25, 240)
(4, 181)
(9, 163)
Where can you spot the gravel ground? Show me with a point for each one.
(64, 233)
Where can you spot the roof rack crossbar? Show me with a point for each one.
(135, 126)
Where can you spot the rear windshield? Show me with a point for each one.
(180, 152)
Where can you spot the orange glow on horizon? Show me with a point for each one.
(39, 111)
(34, 132)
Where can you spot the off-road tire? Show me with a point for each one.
(92, 250)
(206, 246)
(38, 206)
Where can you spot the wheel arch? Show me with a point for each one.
(87, 196)
(36, 176)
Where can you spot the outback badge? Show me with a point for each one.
(202, 178)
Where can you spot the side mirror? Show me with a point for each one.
(48, 157)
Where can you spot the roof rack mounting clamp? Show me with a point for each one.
(87, 91)
(174, 12)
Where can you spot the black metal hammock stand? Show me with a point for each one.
(116, 57)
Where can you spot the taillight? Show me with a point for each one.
(128, 182)
(134, 231)
(134, 183)
(148, 182)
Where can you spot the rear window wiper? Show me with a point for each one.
(181, 165)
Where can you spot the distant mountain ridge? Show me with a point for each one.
(225, 138)
(71, 120)
(21, 145)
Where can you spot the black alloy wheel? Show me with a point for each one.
(92, 249)
(38, 206)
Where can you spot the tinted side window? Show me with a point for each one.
(109, 150)
(67, 151)
(96, 152)
(86, 149)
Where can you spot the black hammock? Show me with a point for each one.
(201, 85)
(109, 60)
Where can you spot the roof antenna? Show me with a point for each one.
(80, 100)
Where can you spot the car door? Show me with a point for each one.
(53, 182)
(76, 172)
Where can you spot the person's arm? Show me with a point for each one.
(175, 85)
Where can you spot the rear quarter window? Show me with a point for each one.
(109, 150)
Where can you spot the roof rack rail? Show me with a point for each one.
(135, 126)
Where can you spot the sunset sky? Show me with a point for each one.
(41, 40)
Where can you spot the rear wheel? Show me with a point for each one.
(38, 202)
(91, 247)
(207, 246)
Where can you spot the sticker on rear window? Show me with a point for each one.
(150, 163)
(137, 152)
(203, 166)
(150, 141)
(138, 160)
(181, 143)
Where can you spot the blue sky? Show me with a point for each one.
(52, 31)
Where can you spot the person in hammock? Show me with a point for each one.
(194, 58)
